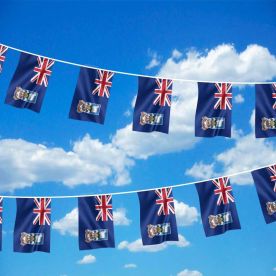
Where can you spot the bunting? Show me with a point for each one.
(265, 183)
(214, 110)
(91, 95)
(152, 106)
(265, 114)
(96, 228)
(32, 225)
(217, 206)
(158, 222)
(153, 102)
(29, 83)
(157, 216)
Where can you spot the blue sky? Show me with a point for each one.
(46, 153)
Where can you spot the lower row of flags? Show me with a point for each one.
(157, 214)
(153, 102)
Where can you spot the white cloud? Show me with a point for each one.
(120, 217)
(87, 259)
(68, 225)
(130, 266)
(185, 214)
(176, 54)
(23, 163)
(274, 269)
(239, 98)
(223, 62)
(187, 272)
(201, 170)
(155, 60)
(137, 245)
(242, 156)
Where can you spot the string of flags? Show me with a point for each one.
(158, 223)
(28, 86)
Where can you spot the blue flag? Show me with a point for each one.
(265, 115)
(153, 104)
(91, 95)
(96, 229)
(217, 205)
(32, 225)
(214, 110)
(1, 221)
(29, 83)
(3, 50)
(265, 182)
(157, 216)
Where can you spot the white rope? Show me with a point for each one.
(143, 190)
(139, 75)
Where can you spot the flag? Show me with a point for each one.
(96, 229)
(3, 50)
(32, 225)
(157, 216)
(265, 114)
(91, 95)
(30, 81)
(214, 110)
(153, 104)
(265, 182)
(1, 221)
(217, 205)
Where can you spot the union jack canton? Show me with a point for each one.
(32, 228)
(3, 50)
(157, 216)
(29, 83)
(96, 229)
(153, 104)
(217, 206)
(91, 95)
(214, 110)
(265, 114)
(265, 183)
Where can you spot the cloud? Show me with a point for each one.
(130, 266)
(23, 163)
(137, 245)
(240, 157)
(87, 259)
(185, 214)
(176, 54)
(187, 272)
(238, 99)
(223, 62)
(201, 170)
(68, 225)
(120, 217)
(155, 60)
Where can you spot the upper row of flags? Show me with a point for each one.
(153, 103)
(157, 214)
